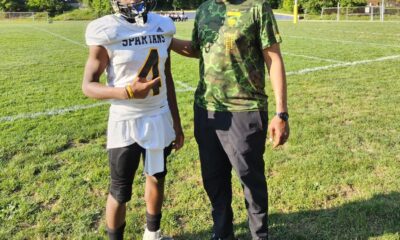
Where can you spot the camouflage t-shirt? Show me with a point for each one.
(230, 35)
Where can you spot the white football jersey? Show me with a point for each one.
(134, 50)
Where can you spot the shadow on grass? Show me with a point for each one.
(354, 220)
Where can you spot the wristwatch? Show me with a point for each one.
(283, 115)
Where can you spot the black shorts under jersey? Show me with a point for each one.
(123, 165)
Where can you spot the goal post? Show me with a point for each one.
(295, 12)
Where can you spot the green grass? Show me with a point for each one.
(337, 178)
(77, 14)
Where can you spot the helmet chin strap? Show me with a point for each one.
(140, 19)
(133, 13)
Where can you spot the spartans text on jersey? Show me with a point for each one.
(150, 39)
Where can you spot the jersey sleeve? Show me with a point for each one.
(172, 28)
(96, 34)
(195, 34)
(269, 32)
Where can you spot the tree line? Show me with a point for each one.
(103, 6)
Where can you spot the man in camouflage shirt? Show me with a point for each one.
(234, 39)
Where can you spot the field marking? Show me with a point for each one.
(346, 64)
(311, 57)
(344, 41)
(351, 21)
(366, 33)
(185, 86)
(61, 36)
(361, 32)
(50, 112)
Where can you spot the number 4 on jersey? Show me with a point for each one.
(152, 64)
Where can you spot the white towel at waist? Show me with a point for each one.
(153, 133)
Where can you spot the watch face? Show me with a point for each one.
(284, 116)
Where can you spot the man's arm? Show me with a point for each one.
(95, 66)
(173, 105)
(184, 48)
(278, 128)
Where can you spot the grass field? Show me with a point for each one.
(338, 177)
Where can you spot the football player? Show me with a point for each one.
(132, 47)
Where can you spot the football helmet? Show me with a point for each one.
(134, 12)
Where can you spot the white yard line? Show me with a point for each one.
(346, 64)
(183, 90)
(50, 112)
(61, 36)
(311, 57)
(366, 33)
(185, 86)
(360, 32)
(61, 111)
(350, 21)
(344, 41)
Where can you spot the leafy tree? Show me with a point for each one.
(353, 3)
(12, 5)
(101, 7)
(164, 5)
(315, 6)
(51, 6)
(288, 5)
(187, 4)
(275, 3)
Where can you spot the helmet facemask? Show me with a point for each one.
(134, 12)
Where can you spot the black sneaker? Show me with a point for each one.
(230, 237)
